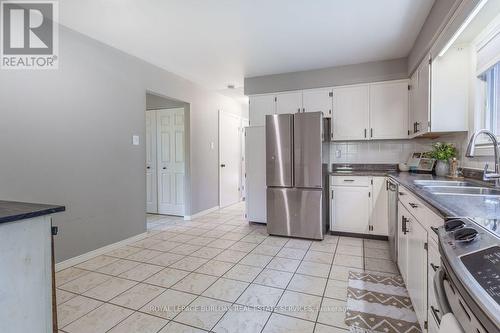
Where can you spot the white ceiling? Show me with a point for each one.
(219, 42)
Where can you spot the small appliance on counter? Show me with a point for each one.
(419, 163)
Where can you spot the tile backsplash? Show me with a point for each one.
(397, 151)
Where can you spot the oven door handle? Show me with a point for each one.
(441, 299)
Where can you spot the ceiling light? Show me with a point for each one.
(464, 25)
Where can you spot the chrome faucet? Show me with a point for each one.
(471, 152)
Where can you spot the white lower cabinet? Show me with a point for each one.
(350, 207)
(380, 203)
(359, 205)
(412, 260)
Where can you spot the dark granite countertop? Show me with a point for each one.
(450, 205)
(14, 211)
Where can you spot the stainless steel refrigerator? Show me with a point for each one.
(294, 175)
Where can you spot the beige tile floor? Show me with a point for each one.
(217, 273)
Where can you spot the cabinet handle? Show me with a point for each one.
(435, 314)
(298, 110)
(330, 111)
(413, 205)
(435, 229)
(401, 193)
(434, 267)
(365, 132)
(348, 180)
(403, 225)
(371, 132)
(303, 109)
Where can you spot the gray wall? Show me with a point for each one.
(66, 139)
(443, 21)
(328, 77)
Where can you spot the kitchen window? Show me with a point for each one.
(491, 106)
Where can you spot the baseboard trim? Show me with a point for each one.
(356, 235)
(97, 252)
(200, 214)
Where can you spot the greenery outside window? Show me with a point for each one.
(491, 79)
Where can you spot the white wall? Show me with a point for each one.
(66, 139)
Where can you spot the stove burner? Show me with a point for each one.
(452, 225)
(465, 234)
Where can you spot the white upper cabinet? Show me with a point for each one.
(259, 107)
(290, 102)
(315, 100)
(389, 110)
(351, 113)
(420, 108)
(439, 94)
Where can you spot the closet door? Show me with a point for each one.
(170, 156)
(151, 184)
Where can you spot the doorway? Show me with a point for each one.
(231, 158)
(165, 157)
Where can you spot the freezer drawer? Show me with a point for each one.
(279, 150)
(307, 128)
(295, 212)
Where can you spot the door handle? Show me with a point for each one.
(442, 301)
(164, 168)
(222, 165)
(148, 167)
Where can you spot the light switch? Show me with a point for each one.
(338, 153)
(135, 140)
(212, 145)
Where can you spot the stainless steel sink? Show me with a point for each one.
(466, 190)
(451, 183)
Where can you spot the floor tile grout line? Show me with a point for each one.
(248, 232)
(107, 302)
(286, 287)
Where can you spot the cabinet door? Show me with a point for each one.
(259, 107)
(350, 114)
(412, 103)
(416, 282)
(318, 100)
(389, 110)
(289, 102)
(380, 210)
(350, 209)
(421, 98)
(402, 241)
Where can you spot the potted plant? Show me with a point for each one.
(442, 153)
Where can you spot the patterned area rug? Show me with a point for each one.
(379, 303)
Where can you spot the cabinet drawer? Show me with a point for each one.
(351, 181)
(424, 215)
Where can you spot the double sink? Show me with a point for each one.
(457, 188)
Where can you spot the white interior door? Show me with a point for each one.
(151, 183)
(171, 161)
(229, 158)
